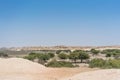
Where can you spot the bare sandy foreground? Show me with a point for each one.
(21, 69)
(110, 74)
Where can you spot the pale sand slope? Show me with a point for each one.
(21, 69)
(108, 74)
(19, 65)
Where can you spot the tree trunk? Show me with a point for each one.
(75, 60)
(81, 60)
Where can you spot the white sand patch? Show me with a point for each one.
(109, 74)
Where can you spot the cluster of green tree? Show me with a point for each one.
(3, 55)
(61, 51)
(42, 58)
(100, 63)
(75, 55)
(94, 52)
(55, 63)
(112, 52)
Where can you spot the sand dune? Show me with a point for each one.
(19, 65)
(21, 69)
(109, 74)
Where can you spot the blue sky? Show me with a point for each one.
(59, 22)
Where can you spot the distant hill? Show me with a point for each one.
(63, 48)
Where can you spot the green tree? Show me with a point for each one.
(63, 56)
(58, 51)
(30, 57)
(43, 57)
(108, 55)
(2, 54)
(94, 52)
(74, 56)
(51, 55)
(32, 53)
(83, 55)
(97, 63)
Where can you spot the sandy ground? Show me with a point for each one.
(21, 69)
(108, 74)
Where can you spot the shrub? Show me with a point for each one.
(100, 63)
(51, 55)
(94, 52)
(30, 57)
(63, 56)
(113, 64)
(108, 54)
(58, 51)
(43, 57)
(97, 63)
(116, 55)
(40, 56)
(32, 53)
(59, 64)
(112, 51)
(78, 54)
(3, 54)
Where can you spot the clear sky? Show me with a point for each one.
(59, 22)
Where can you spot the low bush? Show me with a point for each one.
(30, 57)
(97, 63)
(51, 55)
(100, 63)
(3, 54)
(63, 56)
(112, 64)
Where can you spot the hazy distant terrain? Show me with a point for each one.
(63, 48)
(22, 51)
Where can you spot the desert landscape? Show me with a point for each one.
(22, 69)
(59, 39)
(34, 65)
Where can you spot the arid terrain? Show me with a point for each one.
(108, 74)
(59, 40)
(63, 48)
(21, 69)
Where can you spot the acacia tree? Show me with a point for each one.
(94, 52)
(74, 56)
(83, 55)
(63, 56)
(58, 51)
(108, 55)
(43, 58)
(51, 55)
